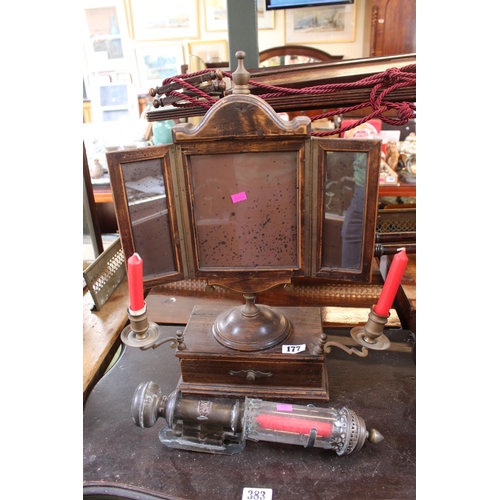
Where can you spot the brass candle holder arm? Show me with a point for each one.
(175, 342)
(369, 336)
(324, 346)
(142, 333)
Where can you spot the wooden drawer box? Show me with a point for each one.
(208, 367)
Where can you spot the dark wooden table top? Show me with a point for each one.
(121, 460)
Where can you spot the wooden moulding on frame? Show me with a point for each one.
(322, 24)
(151, 20)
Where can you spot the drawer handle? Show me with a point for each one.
(250, 375)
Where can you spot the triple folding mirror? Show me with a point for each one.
(247, 200)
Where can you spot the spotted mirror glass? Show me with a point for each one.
(245, 210)
(347, 173)
(344, 205)
(148, 208)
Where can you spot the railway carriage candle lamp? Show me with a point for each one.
(244, 200)
(225, 425)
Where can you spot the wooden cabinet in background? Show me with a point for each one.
(390, 27)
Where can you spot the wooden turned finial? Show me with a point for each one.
(241, 76)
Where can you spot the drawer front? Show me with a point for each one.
(308, 374)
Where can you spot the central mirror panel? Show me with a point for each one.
(245, 210)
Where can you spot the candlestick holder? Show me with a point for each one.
(144, 334)
(140, 332)
(369, 336)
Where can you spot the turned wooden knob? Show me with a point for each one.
(241, 76)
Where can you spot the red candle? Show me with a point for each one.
(391, 284)
(294, 424)
(135, 285)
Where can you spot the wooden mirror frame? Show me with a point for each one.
(165, 227)
(241, 125)
(370, 149)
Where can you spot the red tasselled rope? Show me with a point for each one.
(382, 84)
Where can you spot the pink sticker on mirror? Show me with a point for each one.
(239, 197)
(284, 407)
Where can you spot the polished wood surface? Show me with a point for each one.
(103, 196)
(101, 332)
(401, 189)
(121, 460)
(297, 50)
(208, 368)
(392, 26)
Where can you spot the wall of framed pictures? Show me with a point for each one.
(144, 41)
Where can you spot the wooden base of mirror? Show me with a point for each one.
(209, 368)
(251, 327)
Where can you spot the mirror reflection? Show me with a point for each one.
(149, 216)
(344, 199)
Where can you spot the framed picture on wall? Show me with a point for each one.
(323, 24)
(157, 62)
(265, 18)
(103, 44)
(162, 19)
(210, 51)
(215, 15)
